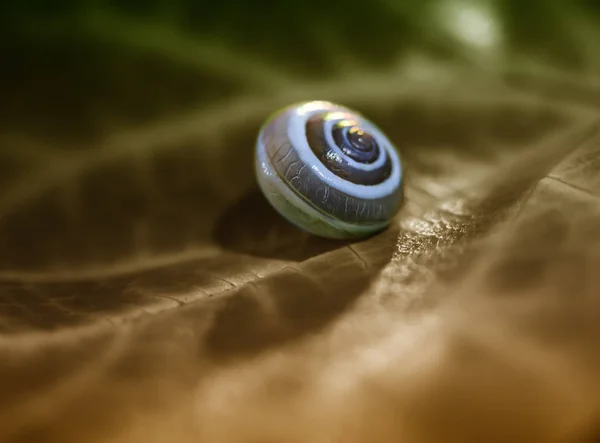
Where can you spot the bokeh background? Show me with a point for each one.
(74, 69)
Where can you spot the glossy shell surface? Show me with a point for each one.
(329, 170)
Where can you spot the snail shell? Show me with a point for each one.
(329, 170)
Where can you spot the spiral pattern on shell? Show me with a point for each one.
(329, 170)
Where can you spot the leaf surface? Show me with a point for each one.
(148, 292)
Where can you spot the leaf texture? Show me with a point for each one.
(149, 293)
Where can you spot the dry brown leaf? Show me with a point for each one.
(148, 292)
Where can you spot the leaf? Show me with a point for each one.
(148, 292)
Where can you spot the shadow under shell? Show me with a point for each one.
(252, 226)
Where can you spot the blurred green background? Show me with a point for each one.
(73, 70)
